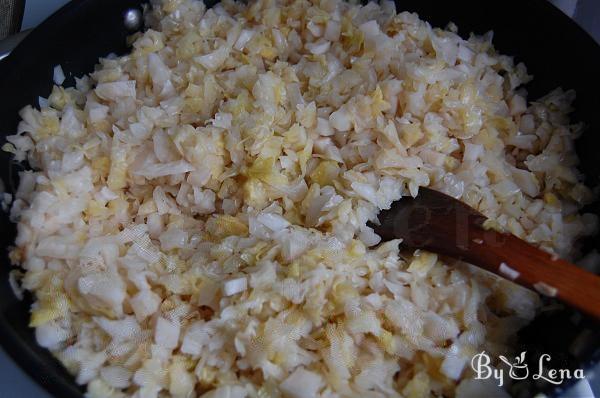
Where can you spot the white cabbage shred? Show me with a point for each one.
(58, 76)
(195, 221)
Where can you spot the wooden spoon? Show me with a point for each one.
(441, 224)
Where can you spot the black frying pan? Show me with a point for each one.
(554, 48)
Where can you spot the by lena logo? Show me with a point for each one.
(518, 369)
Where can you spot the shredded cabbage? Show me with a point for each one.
(196, 218)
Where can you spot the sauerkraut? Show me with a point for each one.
(194, 222)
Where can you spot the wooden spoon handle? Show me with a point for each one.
(438, 223)
(514, 259)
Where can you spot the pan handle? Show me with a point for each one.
(9, 43)
(132, 19)
(11, 16)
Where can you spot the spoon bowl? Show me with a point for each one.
(441, 224)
